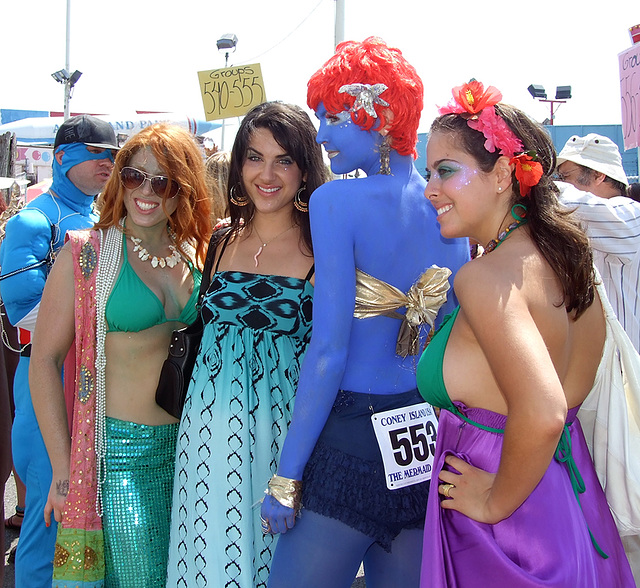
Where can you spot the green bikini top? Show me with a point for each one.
(430, 377)
(133, 307)
(429, 370)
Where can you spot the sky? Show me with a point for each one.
(138, 55)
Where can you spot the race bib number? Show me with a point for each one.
(407, 440)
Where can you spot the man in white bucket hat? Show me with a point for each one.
(593, 165)
(612, 221)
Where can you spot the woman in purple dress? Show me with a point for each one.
(518, 502)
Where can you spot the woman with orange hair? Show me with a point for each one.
(375, 241)
(119, 290)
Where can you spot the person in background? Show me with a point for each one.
(8, 363)
(633, 191)
(257, 323)
(113, 298)
(217, 166)
(9, 359)
(593, 183)
(84, 151)
(375, 239)
(515, 499)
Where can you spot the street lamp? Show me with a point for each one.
(69, 81)
(226, 44)
(563, 93)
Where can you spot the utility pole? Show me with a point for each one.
(339, 24)
(67, 85)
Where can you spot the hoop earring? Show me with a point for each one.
(298, 202)
(515, 215)
(237, 200)
(385, 149)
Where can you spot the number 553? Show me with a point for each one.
(412, 443)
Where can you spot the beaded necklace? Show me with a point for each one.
(108, 263)
(491, 245)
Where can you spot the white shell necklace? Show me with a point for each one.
(170, 260)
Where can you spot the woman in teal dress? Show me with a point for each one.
(257, 314)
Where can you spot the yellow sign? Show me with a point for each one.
(231, 91)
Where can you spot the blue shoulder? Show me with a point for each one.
(27, 224)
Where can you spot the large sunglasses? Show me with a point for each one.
(162, 186)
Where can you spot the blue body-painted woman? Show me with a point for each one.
(368, 233)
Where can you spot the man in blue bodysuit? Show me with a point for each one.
(84, 152)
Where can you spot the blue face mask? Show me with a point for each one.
(74, 153)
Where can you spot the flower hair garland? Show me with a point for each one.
(366, 96)
(476, 104)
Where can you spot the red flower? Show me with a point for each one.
(473, 97)
(528, 172)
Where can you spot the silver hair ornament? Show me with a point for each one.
(366, 96)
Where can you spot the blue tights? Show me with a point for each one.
(34, 557)
(320, 551)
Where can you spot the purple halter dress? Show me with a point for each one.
(560, 535)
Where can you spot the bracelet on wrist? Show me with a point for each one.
(286, 491)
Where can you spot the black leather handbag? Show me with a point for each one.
(177, 368)
(176, 371)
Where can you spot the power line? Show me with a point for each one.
(285, 37)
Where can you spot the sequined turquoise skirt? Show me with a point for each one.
(137, 503)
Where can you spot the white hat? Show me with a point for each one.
(595, 152)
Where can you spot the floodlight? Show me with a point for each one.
(537, 91)
(227, 42)
(75, 76)
(61, 76)
(563, 92)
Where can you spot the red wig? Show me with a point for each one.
(372, 62)
(180, 158)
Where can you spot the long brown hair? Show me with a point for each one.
(554, 230)
(181, 160)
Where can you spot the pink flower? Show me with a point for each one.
(497, 133)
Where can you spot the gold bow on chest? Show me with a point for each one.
(423, 301)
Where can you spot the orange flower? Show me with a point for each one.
(528, 172)
(473, 97)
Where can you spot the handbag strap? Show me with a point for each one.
(216, 237)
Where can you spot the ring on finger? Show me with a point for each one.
(446, 488)
(266, 526)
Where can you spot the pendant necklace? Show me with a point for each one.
(491, 245)
(265, 243)
(170, 260)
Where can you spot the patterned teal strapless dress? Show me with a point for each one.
(234, 422)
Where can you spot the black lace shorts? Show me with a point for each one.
(344, 478)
